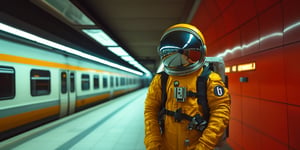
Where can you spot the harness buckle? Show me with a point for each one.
(178, 115)
(197, 123)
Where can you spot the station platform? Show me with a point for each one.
(114, 125)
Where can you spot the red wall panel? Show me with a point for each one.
(245, 10)
(234, 146)
(294, 124)
(202, 20)
(251, 112)
(292, 72)
(291, 21)
(223, 4)
(212, 8)
(234, 83)
(230, 17)
(262, 5)
(249, 37)
(233, 41)
(235, 130)
(271, 75)
(273, 120)
(251, 88)
(271, 27)
(216, 48)
(270, 143)
(236, 106)
(251, 139)
(210, 35)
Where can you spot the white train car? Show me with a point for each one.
(39, 84)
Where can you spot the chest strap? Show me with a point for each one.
(196, 122)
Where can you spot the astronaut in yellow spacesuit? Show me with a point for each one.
(182, 50)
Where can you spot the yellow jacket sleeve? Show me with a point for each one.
(152, 107)
(219, 104)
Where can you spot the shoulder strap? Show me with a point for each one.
(164, 79)
(201, 90)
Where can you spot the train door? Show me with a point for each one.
(72, 93)
(67, 92)
(63, 93)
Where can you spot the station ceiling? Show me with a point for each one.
(136, 25)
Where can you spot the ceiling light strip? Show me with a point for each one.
(100, 36)
(37, 39)
(119, 51)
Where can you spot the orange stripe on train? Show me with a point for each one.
(94, 99)
(14, 121)
(91, 100)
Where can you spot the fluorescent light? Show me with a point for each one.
(133, 62)
(105, 40)
(37, 39)
(100, 36)
(118, 51)
(127, 58)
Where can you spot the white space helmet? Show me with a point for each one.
(182, 49)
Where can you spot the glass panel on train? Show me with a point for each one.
(85, 82)
(63, 82)
(105, 82)
(7, 80)
(117, 81)
(40, 82)
(123, 81)
(72, 84)
(111, 81)
(130, 81)
(96, 81)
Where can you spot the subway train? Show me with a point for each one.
(39, 84)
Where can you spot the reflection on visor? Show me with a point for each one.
(193, 55)
(181, 57)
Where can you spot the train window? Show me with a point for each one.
(130, 81)
(72, 82)
(85, 82)
(117, 81)
(105, 82)
(63, 76)
(96, 81)
(111, 81)
(40, 82)
(122, 81)
(7, 80)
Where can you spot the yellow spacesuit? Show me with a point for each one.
(177, 48)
